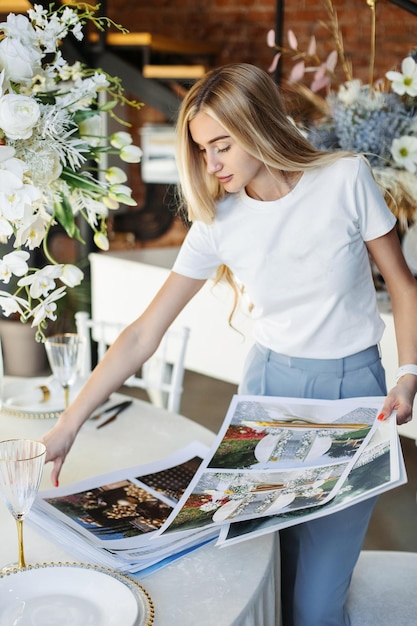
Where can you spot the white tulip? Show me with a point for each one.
(131, 154)
(115, 175)
(101, 241)
(120, 139)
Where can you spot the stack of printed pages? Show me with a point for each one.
(275, 462)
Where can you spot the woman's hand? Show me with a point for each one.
(400, 399)
(58, 442)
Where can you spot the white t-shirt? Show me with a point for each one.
(302, 260)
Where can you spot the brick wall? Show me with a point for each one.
(239, 27)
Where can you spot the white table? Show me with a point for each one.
(235, 586)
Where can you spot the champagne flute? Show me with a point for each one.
(64, 353)
(21, 465)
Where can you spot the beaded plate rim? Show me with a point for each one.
(136, 588)
(31, 414)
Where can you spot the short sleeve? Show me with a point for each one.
(375, 218)
(197, 257)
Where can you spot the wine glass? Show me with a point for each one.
(21, 465)
(64, 353)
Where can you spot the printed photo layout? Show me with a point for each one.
(129, 507)
(275, 455)
(379, 467)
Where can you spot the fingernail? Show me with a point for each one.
(380, 417)
(56, 483)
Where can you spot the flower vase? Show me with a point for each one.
(22, 354)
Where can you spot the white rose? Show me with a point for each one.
(18, 115)
(21, 63)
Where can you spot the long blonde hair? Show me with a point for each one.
(247, 103)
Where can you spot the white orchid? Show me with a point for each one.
(41, 282)
(15, 195)
(46, 309)
(52, 143)
(6, 230)
(12, 304)
(13, 264)
(32, 229)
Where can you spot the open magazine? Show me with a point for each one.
(275, 462)
(110, 519)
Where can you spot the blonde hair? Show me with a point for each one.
(247, 103)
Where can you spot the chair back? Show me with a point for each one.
(162, 376)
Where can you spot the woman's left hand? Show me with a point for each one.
(400, 399)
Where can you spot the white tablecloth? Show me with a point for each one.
(236, 585)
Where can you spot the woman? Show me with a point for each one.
(294, 226)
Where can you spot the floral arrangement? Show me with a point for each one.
(378, 119)
(53, 154)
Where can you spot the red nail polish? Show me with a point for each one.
(56, 483)
(380, 417)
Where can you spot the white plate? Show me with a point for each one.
(72, 594)
(24, 398)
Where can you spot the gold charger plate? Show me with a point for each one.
(72, 593)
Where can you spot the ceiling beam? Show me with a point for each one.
(408, 5)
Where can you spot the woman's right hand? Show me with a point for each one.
(58, 442)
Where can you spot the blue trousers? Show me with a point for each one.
(318, 557)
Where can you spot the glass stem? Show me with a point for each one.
(66, 396)
(21, 561)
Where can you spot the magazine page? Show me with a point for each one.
(275, 455)
(379, 467)
(116, 514)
